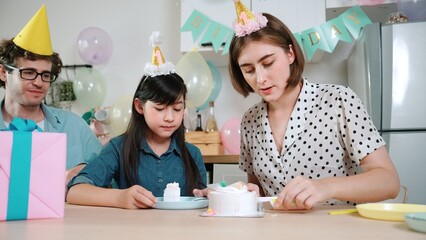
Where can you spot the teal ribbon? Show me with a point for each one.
(20, 168)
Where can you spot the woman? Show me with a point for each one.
(306, 143)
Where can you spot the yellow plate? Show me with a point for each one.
(388, 211)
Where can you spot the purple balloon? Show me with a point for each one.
(414, 9)
(94, 45)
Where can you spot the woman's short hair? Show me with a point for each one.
(275, 33)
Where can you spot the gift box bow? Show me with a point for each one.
(33, 165)
(20, 124)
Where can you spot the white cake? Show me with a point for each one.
(232, 202)
(172, 192)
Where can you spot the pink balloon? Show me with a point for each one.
(230, 135)
(94, 45)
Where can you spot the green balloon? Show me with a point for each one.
(89, 87)
(217, 85)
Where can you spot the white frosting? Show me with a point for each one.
(232, 202)
(233, 188)
(172, 192)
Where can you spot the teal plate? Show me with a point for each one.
(416, 221)
(184, 203)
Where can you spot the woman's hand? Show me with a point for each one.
(302, 193)
(253, 188)
(136, 197)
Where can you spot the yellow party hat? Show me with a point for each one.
(243, 13)
(35, 36)
(247, 22)
(158, 65)
(157, 56)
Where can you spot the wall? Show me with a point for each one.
(129, 23)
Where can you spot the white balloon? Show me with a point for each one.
(121, 112)
(197, 77)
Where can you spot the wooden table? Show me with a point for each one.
(93, 223)
(221, 159)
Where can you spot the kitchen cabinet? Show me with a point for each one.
(223, 168)
(230, 173)
(212, 159)
(298, 15)
(351, 3)
(376, 12)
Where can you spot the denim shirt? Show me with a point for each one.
(155, 172)
(82, 144)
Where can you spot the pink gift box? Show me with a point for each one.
(47, 174)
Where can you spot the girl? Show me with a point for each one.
(151, 153)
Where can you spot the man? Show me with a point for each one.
(28, 66)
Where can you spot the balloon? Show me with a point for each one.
(94, 45)
(197, 76)
(121, 112)
(89, 87)
(230, 135)
(217, 85)
(415, 10)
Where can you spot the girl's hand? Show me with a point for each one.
(136, 197)
(69, 174)
(201, 192)
(301, 193)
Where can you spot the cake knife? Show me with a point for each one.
(267, 199)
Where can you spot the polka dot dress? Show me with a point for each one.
(328, 134)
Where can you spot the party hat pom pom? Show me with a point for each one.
(155, 39)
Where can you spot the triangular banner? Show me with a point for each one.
(196, 23)
(216, 34)
(314, 39)
(324, 37)
(355, 19)
(335, 31)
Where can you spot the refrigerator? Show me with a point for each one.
(387, 70)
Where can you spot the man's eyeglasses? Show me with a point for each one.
(31, 74)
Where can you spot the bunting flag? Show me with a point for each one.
(325, 37)
(215, 33)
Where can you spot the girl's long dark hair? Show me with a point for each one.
(163, 89)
